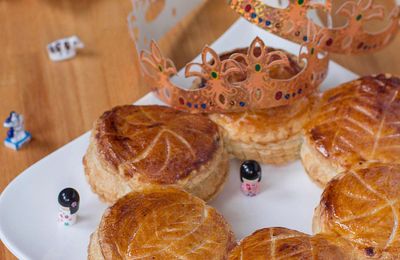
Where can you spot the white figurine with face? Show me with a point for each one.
(64, 49)
(16, 135)
(69, 206)
(250, 176)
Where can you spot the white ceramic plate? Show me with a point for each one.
(28, 206)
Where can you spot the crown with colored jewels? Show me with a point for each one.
(244, 79)
(241, 80)
(291, 22)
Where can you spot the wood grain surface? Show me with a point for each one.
(61, 100)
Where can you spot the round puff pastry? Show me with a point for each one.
(282, 243)
(132, 147)
(161, 223)
(362, 206)
(271, 136)
(356, 122)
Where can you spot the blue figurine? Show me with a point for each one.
(16, 135)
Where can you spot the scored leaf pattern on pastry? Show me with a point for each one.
(163, 223)
(283, 243)
(363, 207)
(158, 144)
(358, 121)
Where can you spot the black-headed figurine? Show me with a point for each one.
(250, 176)
(68, 199)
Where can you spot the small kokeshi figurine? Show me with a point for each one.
(250, 176)
(69, 206)
(17, 136)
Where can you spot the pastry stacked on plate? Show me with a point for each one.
(146, 160)
(157, 166)
(352, 124)
(352, 137)
(135, 147)
(357, 219)
(161, 223)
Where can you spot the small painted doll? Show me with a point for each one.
(250, 176)
(17, 136)
(69, 205)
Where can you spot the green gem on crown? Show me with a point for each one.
(257, 67)
(312, 51)
(214, 74)
(300, 2)
(359, 17)
(160, 68)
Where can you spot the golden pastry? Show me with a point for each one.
(271, 136)
(362, 206)
(132, 147)
(161, 223)
(354, 123)
(282, 243)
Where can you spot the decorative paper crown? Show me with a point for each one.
(257, 90)
(291, 23)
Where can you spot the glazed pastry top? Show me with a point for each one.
(358, 121)
(163, 223)
(282, 243)
(363, 207)
(154, 143)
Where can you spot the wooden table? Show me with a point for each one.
(61, 100)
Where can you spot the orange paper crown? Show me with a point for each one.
(257, 89)
(291, 22)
